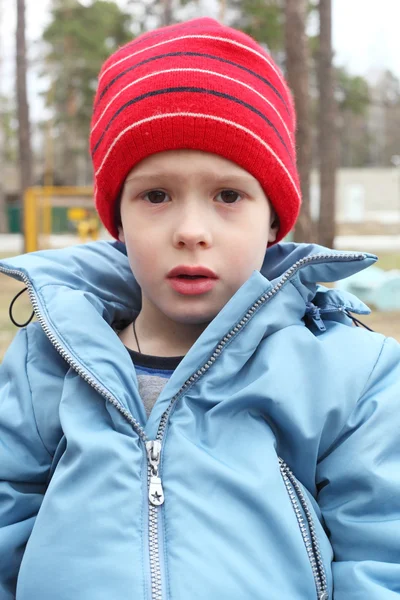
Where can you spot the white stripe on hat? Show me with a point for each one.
(206, 37)
(193, 71)
(200, 116)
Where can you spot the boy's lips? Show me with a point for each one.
(191, 280)
(192, 271)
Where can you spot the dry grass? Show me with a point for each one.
(387, 323)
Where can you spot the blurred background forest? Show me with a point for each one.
(348, 135)
(347, 123)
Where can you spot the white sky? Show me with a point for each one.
(366, 36)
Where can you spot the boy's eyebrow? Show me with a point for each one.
(229, 177)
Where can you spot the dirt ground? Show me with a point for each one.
(387, 323)
(8, 289)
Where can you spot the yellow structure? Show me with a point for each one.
(88, 229)
(38, 203)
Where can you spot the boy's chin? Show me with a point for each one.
(192, 317)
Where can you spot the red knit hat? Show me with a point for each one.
(196, 85)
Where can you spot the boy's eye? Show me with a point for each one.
(229, 196)
(156, 196)
(159, 197)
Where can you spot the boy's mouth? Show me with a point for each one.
(191, 276)
(189, 280)
(191, 272)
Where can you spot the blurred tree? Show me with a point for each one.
(327, 130)
(352, 92)
(389, 98)
(167, 12)
(297, 68)
(353, 101)
(9, 130)
(79, 38)
(264, 20)
(3, 215)
(24, 133)
(148, 14)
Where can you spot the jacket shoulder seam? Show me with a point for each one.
(373, 368)
(356, 403)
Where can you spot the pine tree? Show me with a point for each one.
(297, 67)
(327, 130)
(78, 39)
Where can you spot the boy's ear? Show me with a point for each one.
(272, 234)
(117, 218)
(121, 235)
(273, 228)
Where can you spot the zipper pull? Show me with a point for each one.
(156, 493)
(314, 313)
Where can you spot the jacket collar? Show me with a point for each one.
(117, 295)
(76, 300)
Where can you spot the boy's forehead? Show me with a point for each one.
(184, 163)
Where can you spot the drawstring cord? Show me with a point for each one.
(312, 311)
(11, 309)
(358, 323)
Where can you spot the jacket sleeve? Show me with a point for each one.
(24, 463)
(359, 481)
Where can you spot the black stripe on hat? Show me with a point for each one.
(210, 56)
(173, 90)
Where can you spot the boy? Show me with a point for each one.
(251, 451)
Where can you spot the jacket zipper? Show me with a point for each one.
(154, 447)
(156, 499)
(310, 539)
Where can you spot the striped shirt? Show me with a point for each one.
(153, 373)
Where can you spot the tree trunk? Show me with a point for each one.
(297, 67)
(3, 208)
(24, 136)
(70, 109)
(327, 140)
(222, 11)
(168, 16)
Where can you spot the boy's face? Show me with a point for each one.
(186, 207)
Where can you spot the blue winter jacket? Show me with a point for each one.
(269, 468)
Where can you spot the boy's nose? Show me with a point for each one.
(192, 232)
